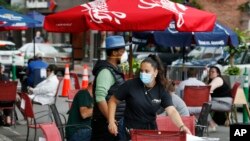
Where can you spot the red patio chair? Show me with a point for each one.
(157, 135)
(164, 123)
(8, 95)
(26, 109)
(51, 132)
(76, 80)
(71, 95)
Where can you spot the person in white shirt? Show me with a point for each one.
(45, 91)
(191, 81)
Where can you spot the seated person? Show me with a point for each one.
(6, 112)
(44, 93)
(178, 103)
(192, 80)
(37, 64)
(221, 95)
(78, 127)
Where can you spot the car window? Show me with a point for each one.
(7, 47)
(63, 48)
(153, 48)
(47, 49)
(206, 52)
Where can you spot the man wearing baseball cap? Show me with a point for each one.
(108, 78)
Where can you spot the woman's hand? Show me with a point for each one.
(30, 90)
(185, 129)
(113, 128)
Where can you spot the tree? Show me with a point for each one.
(243, 37)
(6, 4)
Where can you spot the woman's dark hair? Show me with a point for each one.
(155, 61)
(217, 70)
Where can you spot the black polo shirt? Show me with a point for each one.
(142, 104)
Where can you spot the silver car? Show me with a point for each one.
(49, 54)
(8, 52)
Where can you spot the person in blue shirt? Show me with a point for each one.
(37, 64)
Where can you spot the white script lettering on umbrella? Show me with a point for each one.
(11, 17)
(98, 10)
(166, 4)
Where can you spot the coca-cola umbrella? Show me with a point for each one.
(129, 15)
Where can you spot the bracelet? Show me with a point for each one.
(181, 127)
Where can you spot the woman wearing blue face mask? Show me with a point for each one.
(144, 96)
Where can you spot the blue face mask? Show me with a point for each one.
(146, 78)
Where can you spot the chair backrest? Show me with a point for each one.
(71, 95)
(26, 106)
(51, 132)
(76, 80)
(195, 96)
(234, 89)
(40, 74)
(153, 135)
(164, 123)
(8, 90)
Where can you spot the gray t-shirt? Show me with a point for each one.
(179, 104)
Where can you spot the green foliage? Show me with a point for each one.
(135, 66)
(195, 4)
(232, 70)
(16, 8)
(243, 36)
(245, 7)
(178, 1)
(192, 3)
(235, 50)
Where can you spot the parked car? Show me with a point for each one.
(49, 54)
(203, 57)
(8, 52)
(63, 47)
(166, 54)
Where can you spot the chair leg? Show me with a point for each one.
(35, 134)
(28, 131)
(228, 120)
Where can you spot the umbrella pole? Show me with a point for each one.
(130, 61)
(183, 62)
(34, 41)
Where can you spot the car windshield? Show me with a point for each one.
(206, 52)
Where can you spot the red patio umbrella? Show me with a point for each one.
(129, 15)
